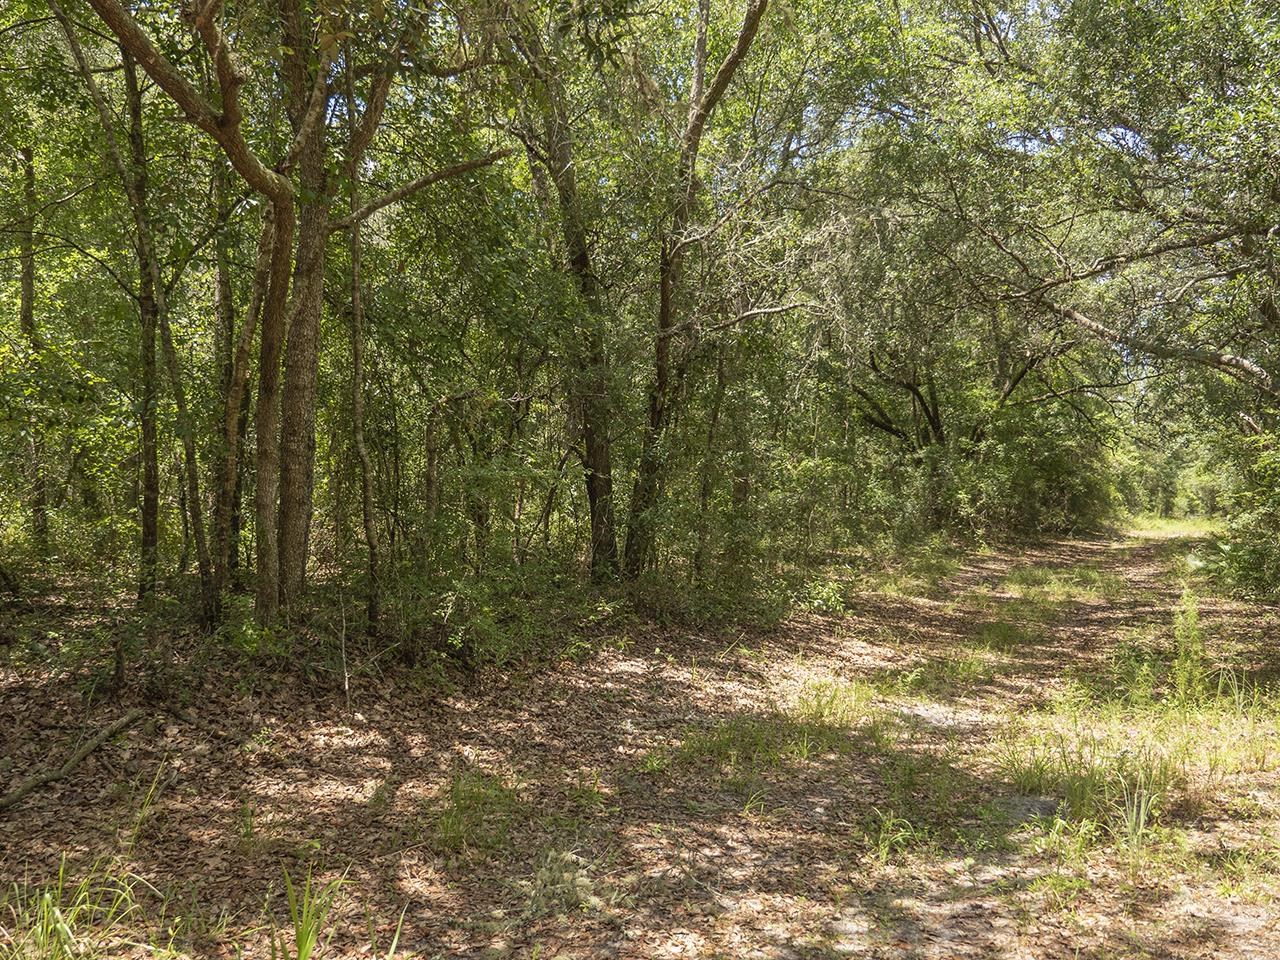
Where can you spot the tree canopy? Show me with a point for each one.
(419, 300)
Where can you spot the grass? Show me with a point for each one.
(1007, 636)
(69, 919)
(818, 720)
(917, 572)
(891, 837)
(1134, 755)
(1149, 527)
(309, 907)
(1057, 585)
(478, 813)
(948, 677)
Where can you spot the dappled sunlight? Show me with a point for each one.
(911, 775)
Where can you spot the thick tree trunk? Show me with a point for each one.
(27, 323)
(267, 416)
(298, 414)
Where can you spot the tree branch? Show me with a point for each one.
(413, 186)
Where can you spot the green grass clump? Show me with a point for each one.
(1006, 636)
(818, 720)
(309, 908)
(68, 919)
(478, 813)
(1147, 742)
(941, 677)
(833, 703)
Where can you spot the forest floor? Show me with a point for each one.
(1044, 752)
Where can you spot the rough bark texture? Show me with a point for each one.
(298, 408)
(306, 100)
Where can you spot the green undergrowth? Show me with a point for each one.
(1056, 584)
(103, 911)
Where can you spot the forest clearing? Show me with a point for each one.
(784, 479)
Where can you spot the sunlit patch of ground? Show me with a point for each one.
(1058, 752)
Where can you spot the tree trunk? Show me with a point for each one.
(298, 413)
(592, 385)
(373, 600)
(267, 417)
(27, 322)
(150, 504)
(708, 474)
(151, 290)
(225, 129)
(641, 534)
(235, 409)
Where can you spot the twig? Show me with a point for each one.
(27, 786)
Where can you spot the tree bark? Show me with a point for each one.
(589, 388)
(151, 299)
(298, 408)
(27, 323)
(372, 597)
(235, 408)
(592, 386)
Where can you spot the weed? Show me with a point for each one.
(833, 702)
(563, 883)
(1188, 673)
(892, 836)
(942, 677)
(1140, 803)
(586, 791)
(68, 920)
(655, 762)
(1059, 890)
(479, 812)
(309, 909)
(821, 596)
